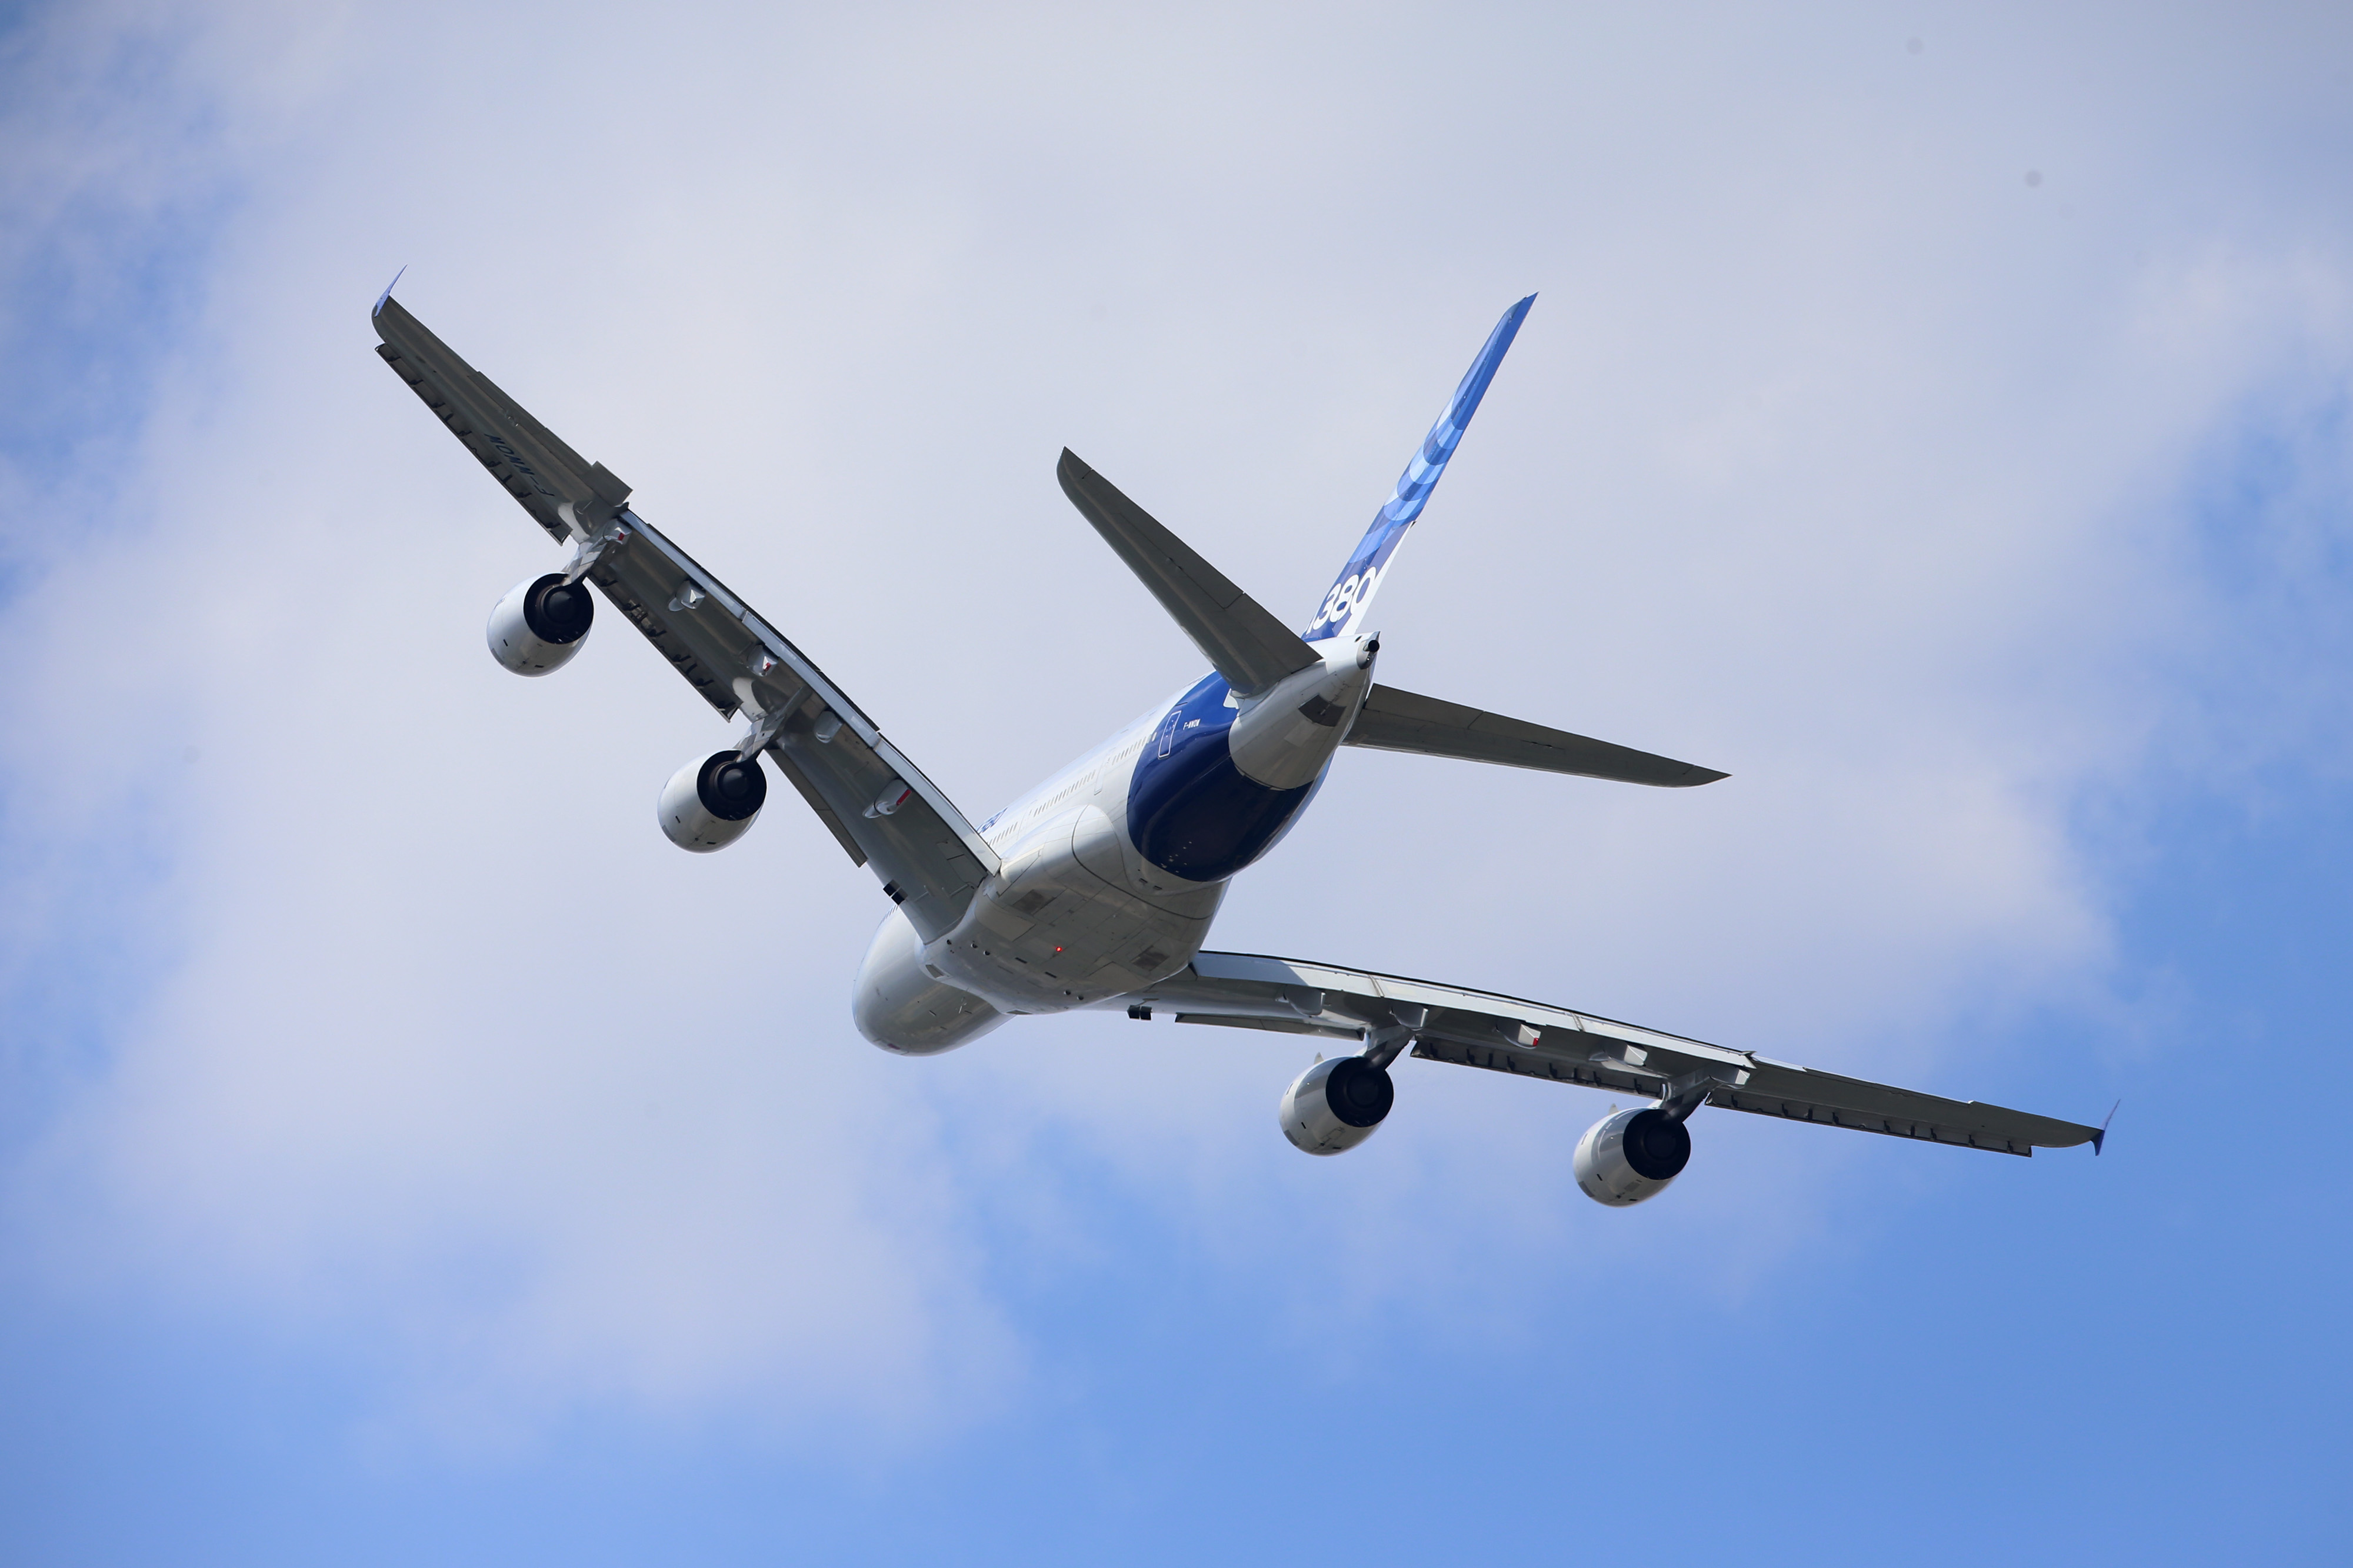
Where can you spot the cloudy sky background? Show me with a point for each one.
(1935, 417)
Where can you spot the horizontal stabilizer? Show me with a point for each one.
(1239, 638)
(1395, 720)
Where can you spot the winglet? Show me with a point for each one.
(2101, 1137)
(388, 288)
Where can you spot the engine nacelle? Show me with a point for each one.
(1631, 1156)
(707, 805)
(541, 623)
(1335, 1105)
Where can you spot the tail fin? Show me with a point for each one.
(1352, 590)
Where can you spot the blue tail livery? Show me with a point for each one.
(1350, 593)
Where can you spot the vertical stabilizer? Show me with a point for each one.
(1352, 592)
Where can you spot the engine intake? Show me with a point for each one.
(1335, 1105)
(1631, 1156)
(541, 623)
(708, 804)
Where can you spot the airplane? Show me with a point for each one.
(1096, 889)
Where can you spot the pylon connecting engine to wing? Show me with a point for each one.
(541, 623)
(708, 804)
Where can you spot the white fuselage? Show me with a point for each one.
(1114, 868)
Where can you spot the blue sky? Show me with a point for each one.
(360, 1201)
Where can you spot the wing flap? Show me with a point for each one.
(817, 803)
(1396, 721)
(1534, 1039)
(1272, 1026)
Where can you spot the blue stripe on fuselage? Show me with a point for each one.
(1189, 810)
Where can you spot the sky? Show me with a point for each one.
(1934, 416)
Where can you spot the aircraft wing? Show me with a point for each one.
(1504, 1033)
(876, 803)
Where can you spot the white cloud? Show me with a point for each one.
(1834, 453)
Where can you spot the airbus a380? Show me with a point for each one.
(1097, 889)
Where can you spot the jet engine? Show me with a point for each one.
(1631, 1156)
(707, 805)
(541, 623)
(1335, 1105)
